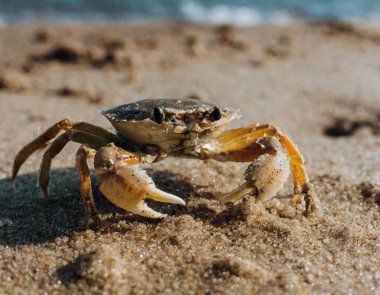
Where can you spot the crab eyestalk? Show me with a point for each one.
(126, 185)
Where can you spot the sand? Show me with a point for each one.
(318, 82)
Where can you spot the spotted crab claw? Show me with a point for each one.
(265, 176)
(125, 184)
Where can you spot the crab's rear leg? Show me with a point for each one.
(243, 145)
(42, 140)
(56, 147)
(85, 181)
(125, 184)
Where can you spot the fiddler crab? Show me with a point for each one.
(150, 130)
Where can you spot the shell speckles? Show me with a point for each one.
(143, 109)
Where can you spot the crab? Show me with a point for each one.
(150, 130)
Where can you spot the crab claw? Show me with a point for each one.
(265, 176)
(126, 185)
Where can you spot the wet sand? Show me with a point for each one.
(320, 83)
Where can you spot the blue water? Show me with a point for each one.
(238, 12)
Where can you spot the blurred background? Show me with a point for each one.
(238, 12)
(311, 67)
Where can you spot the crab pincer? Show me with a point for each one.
(126, 184)
(265, 176)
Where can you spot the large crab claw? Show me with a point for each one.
(126, 185)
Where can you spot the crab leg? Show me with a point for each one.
(56, 147)
(243, 145)
(85, 181)
(126, 185)
(42, 140)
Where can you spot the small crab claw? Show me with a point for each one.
(126, 185)
(265, 175)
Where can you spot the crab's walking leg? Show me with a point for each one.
(85, 181)
(125, 184)
(42, 140)
(243, 145)
(56, 147)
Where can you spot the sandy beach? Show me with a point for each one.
(319, 82)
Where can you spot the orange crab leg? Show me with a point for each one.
(43, 140)
(241, 145)
(85, 181)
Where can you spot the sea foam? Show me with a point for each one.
(224, 14)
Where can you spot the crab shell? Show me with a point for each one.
(185, 122)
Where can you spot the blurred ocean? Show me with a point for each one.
(237, 12)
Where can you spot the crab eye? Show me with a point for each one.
(216, 114)
(158, 115)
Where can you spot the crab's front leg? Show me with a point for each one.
(270, 151)
(125, 184)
